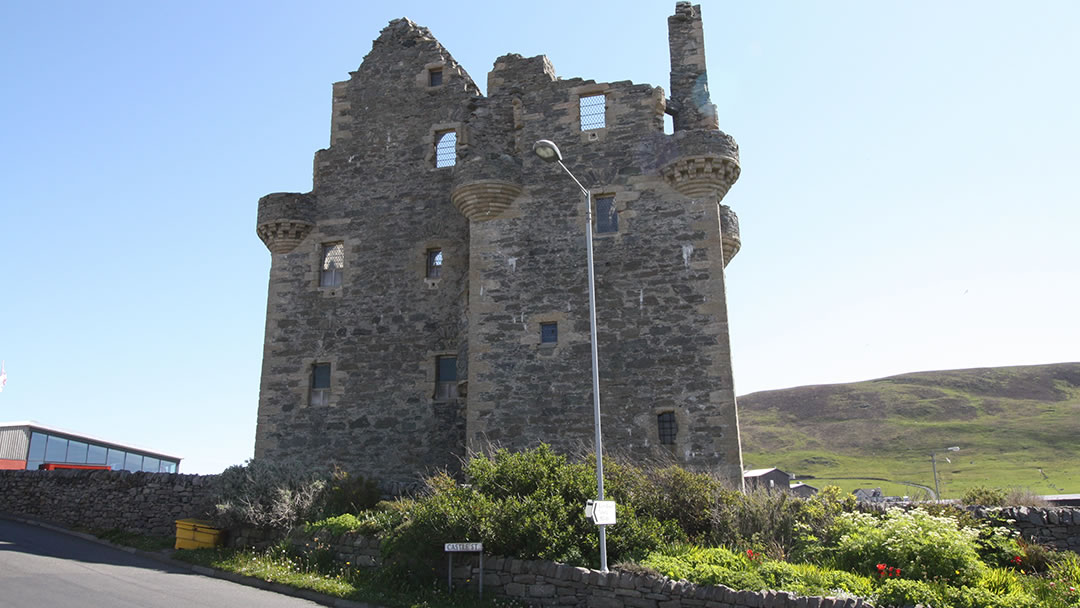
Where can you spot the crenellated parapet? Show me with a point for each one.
(285, 219)
(485, 185)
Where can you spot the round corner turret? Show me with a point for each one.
(485, 185)
(285, 219)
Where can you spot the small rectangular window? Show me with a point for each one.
(150, 464)
(592, 109)
(434, 263)
(320, 384)
(435, 77)
(333, 261)
(445, 149)
(549, 333)
(667, 427)
(445, 378)
(37, 446)
(607, 218)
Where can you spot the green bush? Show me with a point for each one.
(984, 496)
(921, 545)
(753, 572)
(529, 505)
(349, 493)
(265, 494)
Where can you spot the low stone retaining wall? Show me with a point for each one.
(541, 583)
(146, 503)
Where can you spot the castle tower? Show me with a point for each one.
(428, 297)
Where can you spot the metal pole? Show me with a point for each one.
(595, 363)
(937, 490)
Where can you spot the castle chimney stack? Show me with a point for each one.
(689, 105)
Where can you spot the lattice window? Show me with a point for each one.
(446, 149)
(667, 427)
(434, 263)
(320, 384)
(607, 218)
(445, 378)
(592, 108)
(435, 77)
(333, 261)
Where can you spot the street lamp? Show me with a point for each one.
(933, 463)
(549, 152)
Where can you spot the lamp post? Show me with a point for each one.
(933, 463)
(549, 152)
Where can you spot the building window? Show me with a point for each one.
(549, 333)
(445, 149)
(445, 378)
(607, 218)
(665, 423)
(434, 77)
(434, 263)
(333, 260)
(592, 109)
(320, 384)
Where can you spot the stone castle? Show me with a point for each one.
(429, 296)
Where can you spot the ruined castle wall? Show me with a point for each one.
(660, 296)
(378, 191)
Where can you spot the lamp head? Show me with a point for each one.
(547, 151)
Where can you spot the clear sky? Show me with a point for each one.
(908, 199)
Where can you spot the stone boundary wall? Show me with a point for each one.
(146, 503)
(1057, 527)
(548, 584)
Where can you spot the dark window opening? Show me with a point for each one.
(445, 149)
(549, 333)
(435, 77)
(333, 260)
(434, 263)
(592, 109)
(668, 428)
(445, 378)
(607, 218)
(320, 384)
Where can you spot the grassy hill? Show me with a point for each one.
(1015, 426)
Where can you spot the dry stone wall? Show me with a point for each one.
(1055, 527)
(146, 503)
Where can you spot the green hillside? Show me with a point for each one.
(1015, 426)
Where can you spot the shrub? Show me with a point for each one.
(267, 494)
(921, 545)
(983, 496)
(349, 493)
(529, 505)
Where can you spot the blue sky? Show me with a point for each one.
(907, 200)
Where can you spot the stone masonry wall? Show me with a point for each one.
(549, 584)
(1056, 527)
(146, 503)
(511, 229)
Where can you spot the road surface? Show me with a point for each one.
(44, 568)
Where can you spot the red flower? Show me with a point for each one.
(881, 567)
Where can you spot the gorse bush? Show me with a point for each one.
(267, 494)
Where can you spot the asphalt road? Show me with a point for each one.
(44, 568)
